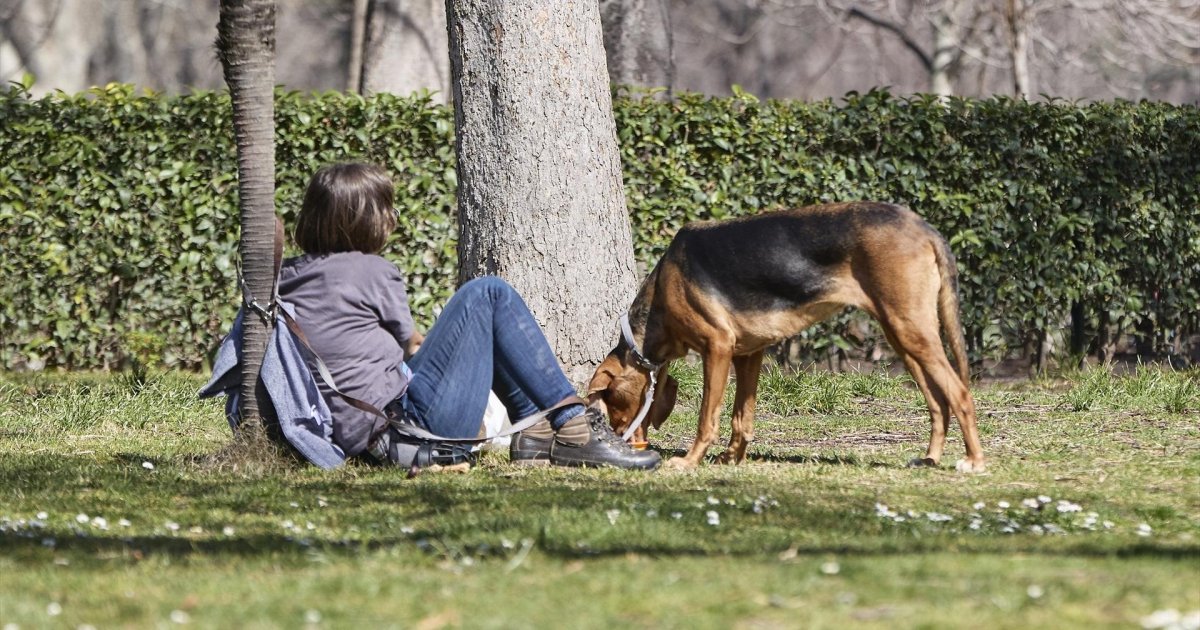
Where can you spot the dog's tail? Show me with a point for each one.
(948, 306)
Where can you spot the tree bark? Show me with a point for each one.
(406, 48)
(246, 47)
(540, 198)
(637, 42)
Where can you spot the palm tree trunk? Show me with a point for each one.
(246, 47)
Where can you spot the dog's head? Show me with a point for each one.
(621, 387)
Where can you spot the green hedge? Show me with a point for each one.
(118, 218)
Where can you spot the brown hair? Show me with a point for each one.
(347, 207)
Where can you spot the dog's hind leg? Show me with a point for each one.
(746, 369)
(945, 393)
(716, 379)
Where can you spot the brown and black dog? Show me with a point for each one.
(730, 289)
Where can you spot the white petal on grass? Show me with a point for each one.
(713, 500)
(1044, 499)
(1034, 591)
(82, 518)
(227, 530)
(54, 609)
(180, 617)
(831, 568)
(312, 616)
(172, 525)
(42, 516)
(1144, 530)
(714, 519)
(1167, 618)
(1066, 506)
(124, 522)
(1030, 503)
(978, 505)
(613, 515)
(1003, 505)
(676, 515)
(148, 465)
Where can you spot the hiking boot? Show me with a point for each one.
(531, 447)
(588, 440)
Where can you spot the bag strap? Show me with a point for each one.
(409, 429)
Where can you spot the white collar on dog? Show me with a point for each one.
(641, 360)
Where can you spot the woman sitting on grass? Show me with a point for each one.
(353, 308)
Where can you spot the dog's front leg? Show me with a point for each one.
(746, 370)
(716, 378)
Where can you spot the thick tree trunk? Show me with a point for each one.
(406, 48)
(637, 42)
(540, 198)
(246, 47)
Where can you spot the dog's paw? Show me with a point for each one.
(678, 463)
(727, 457)
(968, 466)
(922, 462)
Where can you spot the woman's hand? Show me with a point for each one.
(414, 344)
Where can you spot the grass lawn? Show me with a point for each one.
(1088, 517)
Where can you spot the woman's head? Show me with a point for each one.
(347, 207)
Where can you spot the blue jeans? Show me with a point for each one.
(485, 339)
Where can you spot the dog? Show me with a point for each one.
(730, 289)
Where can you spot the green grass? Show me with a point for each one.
(106, 519)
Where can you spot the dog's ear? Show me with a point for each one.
(664, 400)
(605, 373)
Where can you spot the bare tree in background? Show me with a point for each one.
(246, 47)
(404, 48)
(540, 197)
(637, 42)
(1072, 48)
(1017, 36)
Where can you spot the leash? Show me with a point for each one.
(641, 360)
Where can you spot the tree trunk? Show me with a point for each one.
(406, 48)
(1017, 20)
(53, 41)
(637, 42)
(945, 44)
(358, 38)
(246, 47)
(540, 199)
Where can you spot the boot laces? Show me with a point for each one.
(604, 432)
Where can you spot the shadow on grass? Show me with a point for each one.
(450, 516)
(102, 550)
